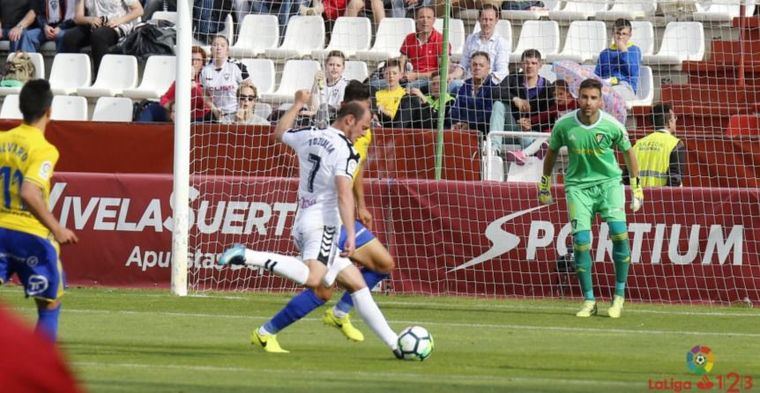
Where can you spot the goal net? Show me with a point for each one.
(456, 203)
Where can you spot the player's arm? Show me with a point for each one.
(361, 205)
(633, 169)
(34, 201)
(346, 209)
(288, 119)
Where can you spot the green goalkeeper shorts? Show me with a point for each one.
(607, 199)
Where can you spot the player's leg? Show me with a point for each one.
(579, 206)
(613, 213)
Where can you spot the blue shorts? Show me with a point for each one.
(363, 235)
(35, 260)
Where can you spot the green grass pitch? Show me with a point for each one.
(151, 341)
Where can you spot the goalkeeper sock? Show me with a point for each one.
(47, 322)
(298, 307)
(621, 255)
(345, 304)
(284, 266)
(373, 317)
(582, 251)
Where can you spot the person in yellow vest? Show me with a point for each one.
(661, 155)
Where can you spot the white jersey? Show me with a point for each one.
(112, 9)
(221, 84)
(333, 94)
(322, 155)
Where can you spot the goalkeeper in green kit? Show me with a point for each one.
(593, 185)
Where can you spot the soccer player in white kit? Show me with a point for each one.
(327, 163)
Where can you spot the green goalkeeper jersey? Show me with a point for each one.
(590, 148)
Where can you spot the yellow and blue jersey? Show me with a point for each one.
(361, 145)
(363, 235)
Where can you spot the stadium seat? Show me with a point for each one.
(549, 5)
(10, 109)
(39, 71)
(113, 109)
(681, 41)
(456, 36)
(116, 73)
(537, 34)
(716, 12)
(69, 72)
(349, 35)
(263, 110)
(503, 27)
(493, 169)
(262, 74)
(257, 34)
(388, 39)
(297, 74)
(643, 36)
(547, 72)
(646, 88)
(630, 9)
(578, 10)
(158, 75)
(228, 31)
(356, 70)
(303, 35)
(69, 108)
(583, 42)
(170, 16)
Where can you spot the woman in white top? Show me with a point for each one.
(221, 78)
(328, 88)
(247, 96)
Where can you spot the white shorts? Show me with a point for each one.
(321, 244)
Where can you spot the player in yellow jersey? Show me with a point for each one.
(29, 233)
(370, 253)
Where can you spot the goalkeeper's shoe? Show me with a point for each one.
(588, 309)
(617, 307)
(344, 324)
(267, 341)
(234, 255)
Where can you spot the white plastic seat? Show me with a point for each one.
(113, 109)
(583, 42)
(716, 12)
(503, 28)
(69, 72)
(646, 88)
(537, 34)
(170, 16)
(228, 31)
(158, 75)
(456, 36)
(39, 71)
(643, 36)
(629, 9)
(303, 35)
(116, 73)
(262, 74)
(349, 35)
(681, 41)
(549, 5)
(578, 10)
(69, 108)
(262, 109)
(356, 70)
(10, 108)
(547, 72)
(296, 75)
(257, 34)
(390, 35)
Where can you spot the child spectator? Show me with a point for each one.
(429, 106)
(221, 78)
(388, 100)
(620, 63)
(328, 88)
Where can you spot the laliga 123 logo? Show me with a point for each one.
(700, 360)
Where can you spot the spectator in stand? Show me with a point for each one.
(510, 5)
(526, 94)
(247, 96)
(427, 107)
(220, 79)
(474, 101)
(620, 63)
(486, 40)
(18, 24)
(394, 107)
(151, 6)
(328, 88)
(209, 17)
(355, 7)
(661, 155)
(101, 24)
(55, 17)
(162, 110)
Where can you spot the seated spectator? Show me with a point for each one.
(328, 88)
(620, 63)
(661, 155)
(393, 105)
(18, 24)
(428, 106)
(527, 94)
(209, 17)
(162, 110)
(355, 7)
(486, 40)
(520, 5)
(221, 78)
(54, 17)
(152, 6)
(101, 24)
(247, 96)
(474, 101)
(564, 103)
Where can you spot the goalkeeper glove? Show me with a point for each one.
(637, 194)
(545, 190)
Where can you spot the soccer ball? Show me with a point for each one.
(415, 343)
